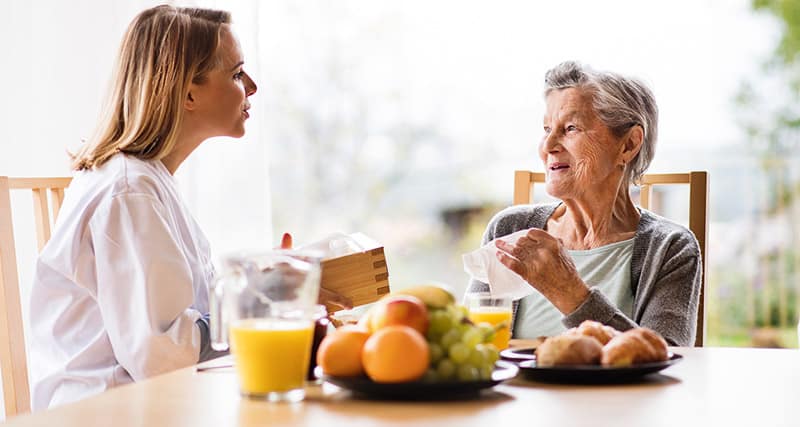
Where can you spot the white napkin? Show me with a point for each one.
(483, 265)
(337, 245)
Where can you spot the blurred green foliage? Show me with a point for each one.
(787, 52)
(761, 308)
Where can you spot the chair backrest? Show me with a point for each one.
(13, 360)
(698, 213)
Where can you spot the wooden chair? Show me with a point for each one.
(698, 213)
(13, 360)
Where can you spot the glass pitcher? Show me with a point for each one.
(263, 306)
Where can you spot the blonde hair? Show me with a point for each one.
(164, 50)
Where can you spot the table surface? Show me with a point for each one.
(740, 386)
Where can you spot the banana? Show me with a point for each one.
(434, 296)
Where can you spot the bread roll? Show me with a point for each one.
(638, 345)
(569, 349)
(596, 330)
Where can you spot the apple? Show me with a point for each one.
(403, 310)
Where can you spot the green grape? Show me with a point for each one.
(485, 327)
(487, 331)
(456, 313)
(431, 376)
(431, 336)
(459, 353)
(479, 356)
(436, 352)
(450, 337)
(468, 373)
(446, 369)
(492, 353)
(485, 372)
(463, 311)
(452, 311)
(472, 337)
(440, 322)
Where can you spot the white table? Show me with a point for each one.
(710, 386)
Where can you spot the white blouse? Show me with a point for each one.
(119, 287)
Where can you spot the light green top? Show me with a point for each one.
(607, 268)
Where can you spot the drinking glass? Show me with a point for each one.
(494, 310)
(263, 306)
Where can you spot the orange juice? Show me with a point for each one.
(493, 316)
(271, 354)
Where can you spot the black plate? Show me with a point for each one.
(519, 354)
(592, 374)
(418, 390)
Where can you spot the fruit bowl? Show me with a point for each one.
(419, 390)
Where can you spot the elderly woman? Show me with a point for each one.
(595, 255)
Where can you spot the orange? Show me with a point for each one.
(339, 353)
(395, 354)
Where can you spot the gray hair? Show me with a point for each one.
(620, 102)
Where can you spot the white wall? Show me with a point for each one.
(56, 65)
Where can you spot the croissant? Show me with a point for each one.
(638, 345)
(596, 330)
(569, 349)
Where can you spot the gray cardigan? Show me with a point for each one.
(666, 271)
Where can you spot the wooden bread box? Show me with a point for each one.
(362, 276)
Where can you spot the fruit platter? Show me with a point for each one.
(424, 390)
(415, 343)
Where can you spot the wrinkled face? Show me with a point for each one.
(221, 100)
(580, 154)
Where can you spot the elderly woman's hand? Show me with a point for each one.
(542, 261)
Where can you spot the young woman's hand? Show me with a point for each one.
(332, 298)
(286, 241)
(325, 296)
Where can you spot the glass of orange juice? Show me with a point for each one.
(492, 309)
(264, 307)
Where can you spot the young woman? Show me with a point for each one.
(120, 291)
